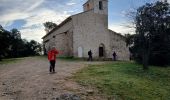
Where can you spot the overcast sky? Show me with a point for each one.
(29, 15)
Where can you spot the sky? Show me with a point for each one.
(28, 16)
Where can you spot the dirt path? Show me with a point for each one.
(29, 79)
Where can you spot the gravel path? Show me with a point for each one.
(29, 79)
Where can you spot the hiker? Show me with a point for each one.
(90, 55)
(52, 59)
(114, 56)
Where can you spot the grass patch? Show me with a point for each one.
(127, 81)
(63, 58)
(10, 60)
(42, 57)
(70, 59)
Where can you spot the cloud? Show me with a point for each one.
(9, 18)
(34, 13)
(33, 33)
(34, 29)
(44, 16)
(70, 3)
(35, 5)
(121, 29)
(164, 0)
(168, 1)
(11, 10)
(6, 23)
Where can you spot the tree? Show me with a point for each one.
(1, 28)
(15, 40)
(35, 47)
(160, 35)
(15, 33)
(151, 43)
(12, 45)
(129, 39)
(4, 40)
(49, 26)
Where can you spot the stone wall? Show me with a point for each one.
(62, 39)
(88, 5)
(90, 30)
(118, 45)
(105, 7)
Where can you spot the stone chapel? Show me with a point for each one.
(85, 31)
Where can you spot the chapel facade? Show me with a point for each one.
(85, 31)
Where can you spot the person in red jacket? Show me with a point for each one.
(52, 58)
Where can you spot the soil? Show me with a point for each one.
(29, 79)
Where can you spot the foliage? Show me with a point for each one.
(129, 39)
(126, 81)
(13, 46)
(151, 43)
(4, 40)
(15, 34)
(49, 26)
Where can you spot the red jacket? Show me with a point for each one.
(52, 54)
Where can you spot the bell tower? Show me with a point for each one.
(99, 6)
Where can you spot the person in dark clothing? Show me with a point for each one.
(114, 56)
(90, 55)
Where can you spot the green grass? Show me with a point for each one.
(63, 58)
(10, 60)
(70, 59)
(42, 57)
(127, 81)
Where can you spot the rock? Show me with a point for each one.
(53, 89)
(90, 91)
(44, 98)
(3, 95)
(57, 99)
(68, 97)
(65, 96)
(75, 97)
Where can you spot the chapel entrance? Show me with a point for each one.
(101, 50)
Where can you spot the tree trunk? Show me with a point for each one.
(145, 61)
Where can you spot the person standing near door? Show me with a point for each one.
(90, 55)
(114, 56)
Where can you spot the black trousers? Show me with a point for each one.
(114, 58)
(52, 66)
(90, 58)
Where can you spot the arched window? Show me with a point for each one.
(100, 5)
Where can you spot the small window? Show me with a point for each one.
(100, 5)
